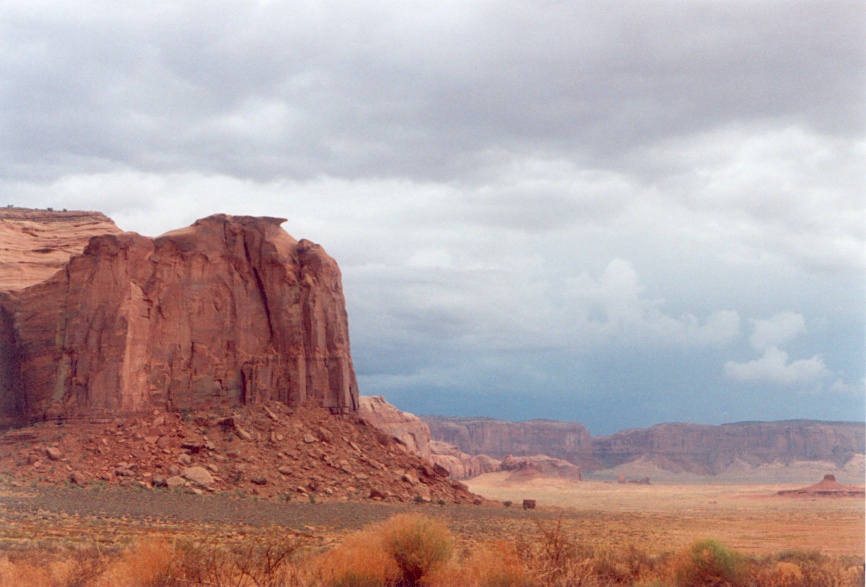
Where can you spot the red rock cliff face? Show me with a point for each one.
(564, 440)
(231, 310)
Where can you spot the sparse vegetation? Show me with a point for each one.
(414, 550)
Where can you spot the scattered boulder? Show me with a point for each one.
(194, 446)
(53, 453)
(175, 481)
(77, 478)
(378, 494)
(198, 475)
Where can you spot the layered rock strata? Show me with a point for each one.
(676, 447)
(35, 244)
(231, 310)
(568, 441)
(710, 450)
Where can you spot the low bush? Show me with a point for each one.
(360, 561)
(709, 564)
(417, 544)
(400, 553)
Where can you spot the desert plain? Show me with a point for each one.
(668, 517)
(656, 518)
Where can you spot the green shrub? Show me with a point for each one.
(418, 544)
(709, 564)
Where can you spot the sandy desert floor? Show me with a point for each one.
(654, 518)
(749, 518)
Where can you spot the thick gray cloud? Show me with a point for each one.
(267, 90)
(577, 208)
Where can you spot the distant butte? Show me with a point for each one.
(827, 487)
(231, 311)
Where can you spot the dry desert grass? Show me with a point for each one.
(589, 534)
(413, 550)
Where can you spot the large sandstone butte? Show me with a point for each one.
(231, 310)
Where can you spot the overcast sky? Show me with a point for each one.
(619, 213)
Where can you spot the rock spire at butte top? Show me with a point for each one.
(231, 310)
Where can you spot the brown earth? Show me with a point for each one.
(269, 450)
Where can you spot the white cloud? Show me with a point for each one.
(614, 308)
(773, 367)
(858, 388)
(781, 328)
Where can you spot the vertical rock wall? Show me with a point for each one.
(231, 310)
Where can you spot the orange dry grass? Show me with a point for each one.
(145, 564)
(359, 561)
(43, 569)
(493, 564)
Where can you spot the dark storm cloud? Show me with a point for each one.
(269, 90)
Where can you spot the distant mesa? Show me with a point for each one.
(774, 450)
(231, 310)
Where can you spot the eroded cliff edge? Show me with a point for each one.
(231, 310)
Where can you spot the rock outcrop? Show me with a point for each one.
(459, 464)
(406, 427)
(827, 487)
(231, 310)
(541, 465)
